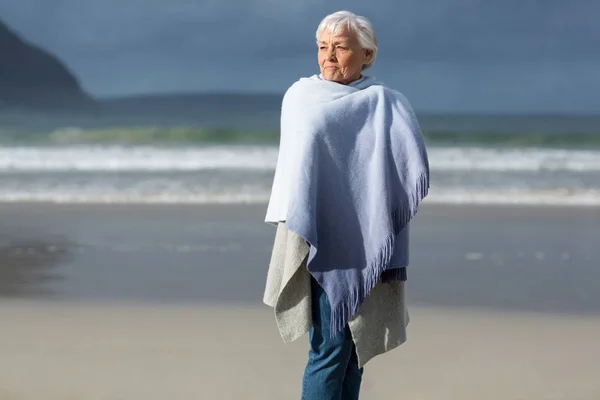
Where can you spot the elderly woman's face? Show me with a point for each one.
(341, 58)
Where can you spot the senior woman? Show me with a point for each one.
(351, 172)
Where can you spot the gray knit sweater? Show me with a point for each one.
(378, 327)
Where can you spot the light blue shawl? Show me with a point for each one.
(359, 170)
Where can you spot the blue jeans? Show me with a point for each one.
(332, 371)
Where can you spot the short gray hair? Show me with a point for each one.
(358, 24)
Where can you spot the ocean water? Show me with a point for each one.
(243, 173)
(112, 159)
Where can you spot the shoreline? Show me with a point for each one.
(263, 204)
(541, 259)
(236, 203)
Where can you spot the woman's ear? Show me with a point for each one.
(368, 55)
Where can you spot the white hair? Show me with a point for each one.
(358, 24)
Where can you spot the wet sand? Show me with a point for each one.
(131, 302)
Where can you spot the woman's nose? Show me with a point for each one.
(331, 54)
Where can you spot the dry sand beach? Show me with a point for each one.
(163, 302)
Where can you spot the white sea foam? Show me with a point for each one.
(140, 158)
(583, 198)
(96, 158)
(513, 159)
(243, 174)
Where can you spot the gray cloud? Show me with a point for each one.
(486, 47)
(435, 30)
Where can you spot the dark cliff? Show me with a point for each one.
(31, 77)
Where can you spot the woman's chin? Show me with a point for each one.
(330, 75)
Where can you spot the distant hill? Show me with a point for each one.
(31, 77)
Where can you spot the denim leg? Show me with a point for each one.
(329, 373)
(353, 378)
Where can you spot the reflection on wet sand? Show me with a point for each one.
(26, 264)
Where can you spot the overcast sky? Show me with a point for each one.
(489, 55)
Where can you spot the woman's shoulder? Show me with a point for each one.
(393, 95)
(390, 92)
(401, 101)
(298, 85)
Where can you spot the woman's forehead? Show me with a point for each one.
(343, 35)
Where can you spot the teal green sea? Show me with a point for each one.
(191, 135)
